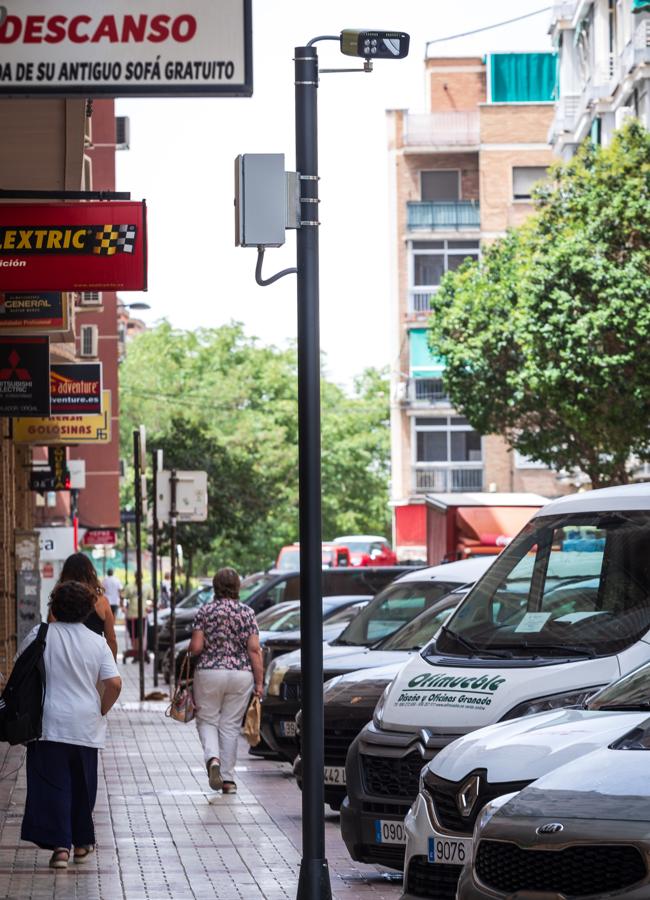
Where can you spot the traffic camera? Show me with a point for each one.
(374, 44)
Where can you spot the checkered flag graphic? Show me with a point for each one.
(112, 239)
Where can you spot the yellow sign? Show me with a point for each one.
(66, 429)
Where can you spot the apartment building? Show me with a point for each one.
(461, 175)
(603, 49)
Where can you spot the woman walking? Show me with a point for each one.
(101, 620)
(229, 666)
(62, 765)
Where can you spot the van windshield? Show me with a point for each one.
(572, 585)
(390, 610)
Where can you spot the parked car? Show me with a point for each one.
(394, 607)
(185, 608)
(285, 618)
(332, 555)
(368, 550)
(349, 700)
(468, 774)
(562, 611)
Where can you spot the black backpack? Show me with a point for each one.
(21, 702)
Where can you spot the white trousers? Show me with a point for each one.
(221, 697)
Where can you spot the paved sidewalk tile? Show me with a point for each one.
(162, 833)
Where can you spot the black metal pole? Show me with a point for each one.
(172, 599)
(314, 881)
(137, 465)
(154, 565)
(126, 553)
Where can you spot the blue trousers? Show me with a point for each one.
(61, 794)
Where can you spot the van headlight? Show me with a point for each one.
(552, 701)
(274, 677)
(378, 715)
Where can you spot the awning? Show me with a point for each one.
(422, 363)
(522, 77)
(640, 5)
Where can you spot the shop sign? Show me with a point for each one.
(24, 376)
(56, 543)
(67, 429)
(91, 246)
(137, 48)
(75, 389)
(100, 537)
(45, 311)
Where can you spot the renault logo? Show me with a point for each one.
(468, 795)
(550, 828)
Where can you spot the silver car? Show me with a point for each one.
(583, 831)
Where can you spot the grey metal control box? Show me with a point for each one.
(260, 200)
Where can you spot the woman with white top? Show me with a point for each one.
(62, 765)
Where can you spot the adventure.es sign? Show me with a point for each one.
(75, 389)
(91, 246)
(127, 47)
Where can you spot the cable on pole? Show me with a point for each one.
(453, 37)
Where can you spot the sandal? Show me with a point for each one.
(229, 787)
(58, 860)
(214, 774)
(82, 853)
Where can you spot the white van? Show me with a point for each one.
(563, 611)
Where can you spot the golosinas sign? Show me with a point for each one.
(127, 47)
(92, 246)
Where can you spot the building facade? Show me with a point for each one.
(461, 175)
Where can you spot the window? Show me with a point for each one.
(431, 259)
(442, 439)
(442, 185)
(524, 178)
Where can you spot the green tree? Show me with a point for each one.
(546, 340)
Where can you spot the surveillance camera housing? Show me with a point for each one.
(374, 44)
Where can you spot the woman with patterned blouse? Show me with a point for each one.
(225, 638)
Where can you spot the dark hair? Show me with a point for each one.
(78, 567)
(72, 601)
(109, 571)
(226, 584)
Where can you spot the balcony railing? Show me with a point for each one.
(446, 129)
(420, 300)
(447, 480)
(454, 215)
(426, 392)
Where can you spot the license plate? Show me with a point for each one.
(288, 728)
(449, 850)
(389, 832)
(334, 775)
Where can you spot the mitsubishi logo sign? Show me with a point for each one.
(468, 795)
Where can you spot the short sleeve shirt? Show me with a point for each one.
(226, 625)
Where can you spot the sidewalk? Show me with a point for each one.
(162, 833)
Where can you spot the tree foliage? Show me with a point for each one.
(216, 399)
(546, 339)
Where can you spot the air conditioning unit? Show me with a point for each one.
(622, 114)
(90, 298)
(122, 133)
(88, 341)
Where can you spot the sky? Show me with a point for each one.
(181, 160)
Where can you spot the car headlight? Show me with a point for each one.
(378, 715)
(330, 684)
(275, 675)
(552, 701)
(489, 810)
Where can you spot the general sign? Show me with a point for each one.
(75, 389)
(45, 311)
(67, 429)
(90, 246)
(127, 48)
(104, 537)
(24, 376)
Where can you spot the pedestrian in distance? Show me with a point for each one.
(225, 638)
(82, 684)
(113, 590)
(101, 620)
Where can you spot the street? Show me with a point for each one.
(162, 833)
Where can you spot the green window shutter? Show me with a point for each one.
(523, 77)
(422, 363)
(640, 5)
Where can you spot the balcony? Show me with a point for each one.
(564, 10)
(446, 129)
(426, 392)
(455, 215)
(420, 300)
(566, 114)
(447, 479)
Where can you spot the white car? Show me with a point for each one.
(464, 785)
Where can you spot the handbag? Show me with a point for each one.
(252, 722)
(182, 708)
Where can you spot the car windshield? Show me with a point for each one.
(196, 598)
(358, 546)
(269, 617)
(289, 559)
(419, 632)
(345, 615)
(394, 607)
(253, 583)
(572, 585)
(630, 692)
